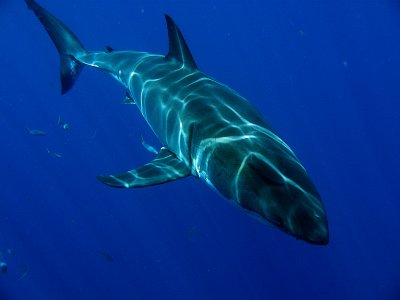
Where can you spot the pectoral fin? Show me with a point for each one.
(149, 147)
(164, 168)
(128, 98)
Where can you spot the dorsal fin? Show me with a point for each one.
(178, 48)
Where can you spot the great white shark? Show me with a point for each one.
(206, 128)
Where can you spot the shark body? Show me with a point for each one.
(207, 130)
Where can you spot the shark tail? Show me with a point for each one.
(67, 44)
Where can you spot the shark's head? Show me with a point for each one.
(274, 186)
(282, 193)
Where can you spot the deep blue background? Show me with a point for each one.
(326, 74)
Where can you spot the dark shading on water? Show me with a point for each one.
(324, 73)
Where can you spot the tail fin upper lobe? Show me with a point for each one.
(67, 44)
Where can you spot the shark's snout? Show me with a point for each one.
(310, 226)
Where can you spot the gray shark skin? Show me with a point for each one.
(207, 130)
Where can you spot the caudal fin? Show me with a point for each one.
(67, 44)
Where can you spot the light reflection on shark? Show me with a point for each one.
(207, 130)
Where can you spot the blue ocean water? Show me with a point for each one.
(324, 73)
